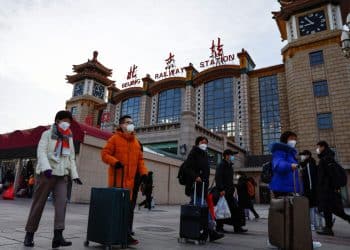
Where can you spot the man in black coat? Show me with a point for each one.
(225, 185)
(309, 177)
(330, 200)
(197, 171)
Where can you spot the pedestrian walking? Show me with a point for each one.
(147, 189)
(330, 201)
(123, 151)
(224, 184)
(56, 161)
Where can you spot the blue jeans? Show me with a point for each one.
(211, 222)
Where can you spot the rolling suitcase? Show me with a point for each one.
(289, 222)
(194, 220)
(108, 216)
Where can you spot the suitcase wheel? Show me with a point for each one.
(109, 247)
(124, 246)
(181, 240)
(86, 243)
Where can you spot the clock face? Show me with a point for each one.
(312, 23)
(78, 89)
(98, 91)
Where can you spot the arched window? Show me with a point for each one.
(169, 106)
(131, 107)
(218, 106)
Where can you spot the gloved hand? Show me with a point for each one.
(77, 181)
(119, 165)
(48, 173)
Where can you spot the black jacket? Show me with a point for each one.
(224, 177)
(329, 197)
(196, 165)
(310, 191)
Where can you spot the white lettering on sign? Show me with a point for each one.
(217, 56)
(170, 68)
(132, 78)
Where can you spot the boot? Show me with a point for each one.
(132, 241)
(58, 240)
(326, 231)
(29, 239)
(239, 230)
(213, 235)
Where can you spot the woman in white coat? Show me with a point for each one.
(56, 163)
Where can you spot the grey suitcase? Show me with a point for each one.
(289, 222)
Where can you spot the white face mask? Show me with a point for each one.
(303, 157)
(292, 143)
(203, 146)
(318, 151)
(130, 128)
(64, 125)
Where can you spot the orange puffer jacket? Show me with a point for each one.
(125, 148)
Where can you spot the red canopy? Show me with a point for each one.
(22, 140)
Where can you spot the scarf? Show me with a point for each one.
(62, 137)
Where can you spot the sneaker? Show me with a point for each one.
(313, 228)
(316, 244)
(326, 231)
(270, 246)
(132, 241)
(29, 240)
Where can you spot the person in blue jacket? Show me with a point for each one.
(284, 165)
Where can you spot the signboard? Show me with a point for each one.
(217, 56)
(131, 78)
(170, 69)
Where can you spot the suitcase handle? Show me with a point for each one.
(195, 194)
(115, 177)
(296, 172)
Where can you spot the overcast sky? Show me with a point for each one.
(41, 40)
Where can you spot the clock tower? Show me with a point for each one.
(317, 73)
(90, 89)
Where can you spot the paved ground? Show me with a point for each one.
(155, 230)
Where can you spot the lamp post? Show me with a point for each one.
(345, 38)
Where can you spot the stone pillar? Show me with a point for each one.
(188, 130)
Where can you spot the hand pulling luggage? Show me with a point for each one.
(108, 215)
(289, 222)
(194, 220)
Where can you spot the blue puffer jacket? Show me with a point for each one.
(282, 158)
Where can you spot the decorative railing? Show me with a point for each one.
(158, 127)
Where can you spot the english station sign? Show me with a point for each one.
(131, 78)
(170, 69)
(217, 56)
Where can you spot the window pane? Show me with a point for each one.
(131, 107)
(218, 106)
(316, 58)
(169, 106)
(269, 111)
(324, 121)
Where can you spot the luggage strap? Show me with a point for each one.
(115, 178)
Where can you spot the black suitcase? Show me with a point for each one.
(194, 221)
(108, 216)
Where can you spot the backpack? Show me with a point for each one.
(339, 177)
(181, 174)
(251, 189)
(266, 173)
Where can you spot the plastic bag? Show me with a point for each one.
(222, 210)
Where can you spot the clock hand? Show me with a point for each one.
(310, 22)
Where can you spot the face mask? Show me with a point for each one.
(303, 157)
(203, 146)
(130, 128)
(64, 125)
(318, 151)
(292, 143)
(232, 158)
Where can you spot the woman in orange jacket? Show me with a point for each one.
(123, 151)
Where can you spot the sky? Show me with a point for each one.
(40, 40)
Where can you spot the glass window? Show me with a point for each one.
(269, 111)
(169, 106)
(131, 107)
(78, 89)
(316, 58)
(324, 121)
(74, 110)
(169, 147)
(321, 88)
(218, 106)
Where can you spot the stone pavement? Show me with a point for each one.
(155, 230)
